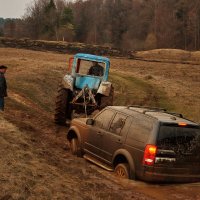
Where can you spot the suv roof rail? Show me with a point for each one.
(153, 109)
(175, 114)
(171, 113)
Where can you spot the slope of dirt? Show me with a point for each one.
(38, 165)
(35, 162)
(35, 168)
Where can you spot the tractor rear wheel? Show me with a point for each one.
(107, 100)
(62, 109)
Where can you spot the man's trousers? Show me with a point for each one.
(2, 103)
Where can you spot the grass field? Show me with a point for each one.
(131, 90)
(173, 86)
(38, 165)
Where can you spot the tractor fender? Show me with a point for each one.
(105, 88)
(68, 82)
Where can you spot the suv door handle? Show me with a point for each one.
(99, 133)
(119, 141)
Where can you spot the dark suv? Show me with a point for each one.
(150, 144)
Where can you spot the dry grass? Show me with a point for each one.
(37, 164)
(130, 90)
(179, 83)
(170, 55)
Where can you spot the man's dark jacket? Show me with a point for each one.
(3, 86)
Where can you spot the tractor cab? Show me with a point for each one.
(89, 70)
(85, 87)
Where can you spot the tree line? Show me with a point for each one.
(125, 24)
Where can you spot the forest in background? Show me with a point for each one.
(124, 24)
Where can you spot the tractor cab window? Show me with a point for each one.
(93, 68)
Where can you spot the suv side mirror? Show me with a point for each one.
(90, 121)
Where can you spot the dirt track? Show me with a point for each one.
(35, 162)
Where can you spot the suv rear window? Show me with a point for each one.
(182, 140)
(139, 130)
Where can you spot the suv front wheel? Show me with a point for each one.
(75, 147)
(122, 170)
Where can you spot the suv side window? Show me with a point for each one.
(117, 123)
(139, 131)
(126, 126)
(103, 119)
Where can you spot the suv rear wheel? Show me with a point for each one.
(122, 170)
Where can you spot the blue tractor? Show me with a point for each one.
(85, 88)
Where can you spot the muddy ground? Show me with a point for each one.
(35, 162)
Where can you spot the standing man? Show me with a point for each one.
(3, 86)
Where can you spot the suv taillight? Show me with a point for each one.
(149, 154)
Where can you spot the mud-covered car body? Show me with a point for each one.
(152, 144)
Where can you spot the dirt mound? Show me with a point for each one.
(170, 55)
(62, 47)
(195, 56)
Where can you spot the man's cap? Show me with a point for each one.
(3, 67)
